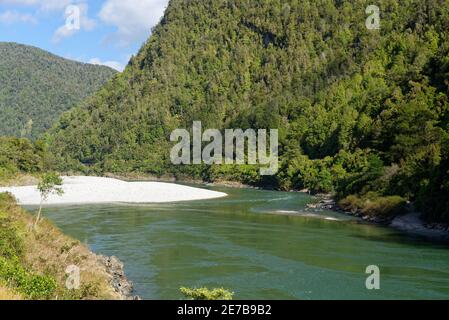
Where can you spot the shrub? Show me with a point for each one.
(40, 287)
(385, 206)
(10, 243)
(351, 203)
(374, 205)
(206, 294)
(87, 291)
(31, 285)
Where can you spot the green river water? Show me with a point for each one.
(259, 244)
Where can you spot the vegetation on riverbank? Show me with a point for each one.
(33, 262)
(206, 294)
(374, 206)
(19, 157)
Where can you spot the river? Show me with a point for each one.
(259, 244)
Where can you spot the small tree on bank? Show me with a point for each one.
(50, 183)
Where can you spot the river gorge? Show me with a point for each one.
(259, 244)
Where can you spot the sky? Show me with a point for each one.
(105, 32)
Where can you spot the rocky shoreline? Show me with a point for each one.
(410, 222)
(118, 280)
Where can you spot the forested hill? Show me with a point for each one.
(361, 112)
(36, 87)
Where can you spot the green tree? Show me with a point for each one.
(50, 183)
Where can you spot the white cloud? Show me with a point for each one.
(10, 17)
(69, 29)
(132, 18)
(111, 64)
(45, 5)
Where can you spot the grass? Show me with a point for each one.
(9, 294)
(33, 262)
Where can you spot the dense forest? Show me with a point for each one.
(362, 113)
(36, 87)
(21, 156)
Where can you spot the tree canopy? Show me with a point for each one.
(36, 87)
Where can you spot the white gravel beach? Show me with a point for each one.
(95, 190)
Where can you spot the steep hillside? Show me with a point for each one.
(36, 87)
(360, 111)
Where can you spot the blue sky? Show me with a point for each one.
(96, 31)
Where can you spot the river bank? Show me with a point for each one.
(409, 222)
(36, 263)
(183, 179)
(118, 280)
(99, 190)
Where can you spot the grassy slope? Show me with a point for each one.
(44, 252)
